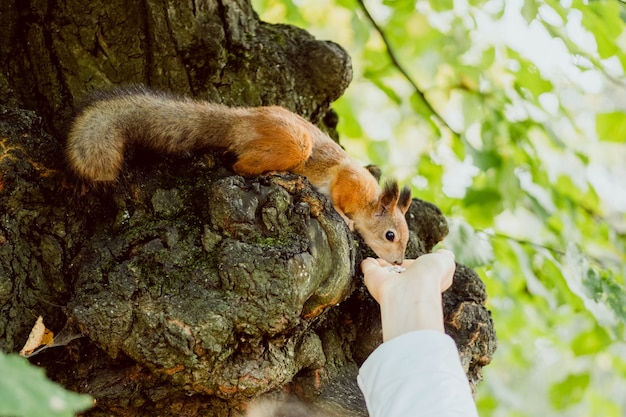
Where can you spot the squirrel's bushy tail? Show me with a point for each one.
(263, 139)
(102, 130)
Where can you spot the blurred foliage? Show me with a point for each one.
(511, 117)
(26, 392)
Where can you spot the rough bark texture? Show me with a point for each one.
(193, 290)
(52, 53)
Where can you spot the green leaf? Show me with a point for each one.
(485, 404)
(486, 159)
(611, 127)
(458, 147)
(432, 172)
(348, 4)
(529, 10)
(604, 23)
(488, 58)
(509, 185)
(569, 391)
(533, 283)
(377, 63)
(348, 124)
(591, 342)
(529, 79)
(389, 91)
(603, 294)
(568, 195)
(429, 169)
(483, 197)
(26, 392)
(401, 6)
(472, 106)
(378, 150)
(469, 248)
(361, 30)
(441, 5)
(601, 287)
(601, 405)
(419, 106)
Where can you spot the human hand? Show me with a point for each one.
(410, 300)
(430, 271)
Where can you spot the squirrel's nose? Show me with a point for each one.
(398, 261)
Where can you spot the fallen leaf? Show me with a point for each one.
(39, 336)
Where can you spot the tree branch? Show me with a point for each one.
(525, 242)
(602, 264)
(574, 49)
(396, 63)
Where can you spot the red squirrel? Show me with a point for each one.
(263, 139)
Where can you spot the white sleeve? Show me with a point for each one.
(416, 374)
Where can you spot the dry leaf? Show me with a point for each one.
(38, 336)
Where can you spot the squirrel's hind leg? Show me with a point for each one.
(278, 144)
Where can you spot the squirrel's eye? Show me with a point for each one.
(390, 236)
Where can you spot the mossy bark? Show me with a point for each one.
(53, 53)
(192, 290)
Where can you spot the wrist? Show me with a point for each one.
(399, 317)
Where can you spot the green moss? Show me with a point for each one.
(271, 242)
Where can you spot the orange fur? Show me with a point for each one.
(349, 179)
(279, 144)
(264, 140)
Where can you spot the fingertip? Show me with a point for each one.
(368, 263)
(383, 263)
(407, 262)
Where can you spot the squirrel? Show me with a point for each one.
(263, 139)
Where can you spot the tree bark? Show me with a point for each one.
(190, 290)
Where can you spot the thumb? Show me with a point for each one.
(369, 265)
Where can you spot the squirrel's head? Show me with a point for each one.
(384, 227)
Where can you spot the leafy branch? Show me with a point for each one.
(525, 242)
(599, 263)
(396, 63)
(559, 33)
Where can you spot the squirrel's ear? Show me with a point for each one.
(388, 197)
(375, 171)
(404, 201)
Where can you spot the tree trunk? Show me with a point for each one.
(190, 290)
